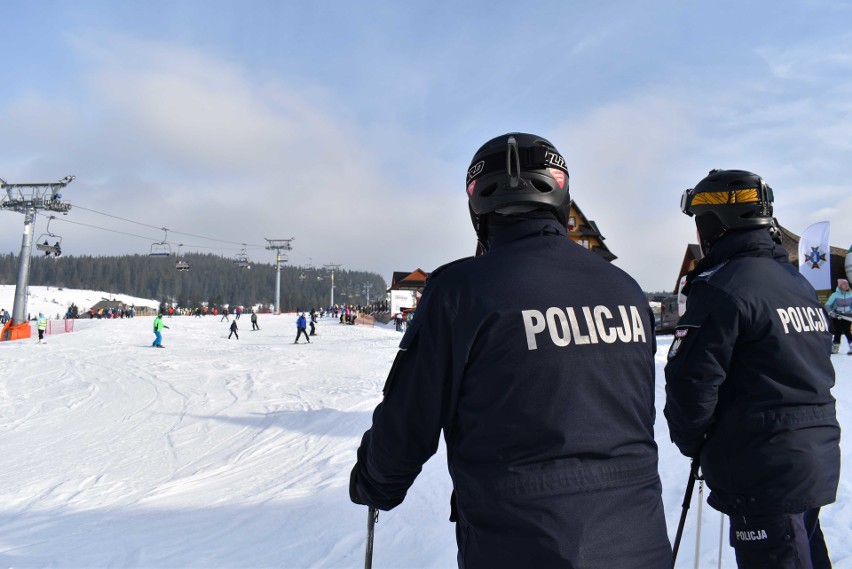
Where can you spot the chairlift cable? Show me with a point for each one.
(160, 228)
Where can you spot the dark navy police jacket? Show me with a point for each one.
(748, 381)
(537, 362)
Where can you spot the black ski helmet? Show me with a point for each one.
(729, 200)
(517, 173)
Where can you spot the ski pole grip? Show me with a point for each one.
(693, 476)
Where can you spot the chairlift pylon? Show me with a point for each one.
(162, 248)
(43, 243)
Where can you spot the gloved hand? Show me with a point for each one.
(353, 487)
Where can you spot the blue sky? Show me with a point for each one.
(350, 125)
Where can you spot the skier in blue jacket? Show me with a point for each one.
(302, 328)
(840, 304)
(536, 360)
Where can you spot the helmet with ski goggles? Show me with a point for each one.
(728, 200)
(517, 173)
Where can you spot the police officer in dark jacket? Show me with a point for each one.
(536, 360)
(749, 377)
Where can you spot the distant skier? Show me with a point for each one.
(313, 323)
(41, 325)
(254, 325)
(234, 330)
(225, 315)
(302, 328)
(838, 306)
(158, 329)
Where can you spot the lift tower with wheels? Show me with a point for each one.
(279, 245)
(28, 199)
(332, 267)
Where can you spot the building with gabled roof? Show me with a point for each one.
(405, 289)
(585, 232)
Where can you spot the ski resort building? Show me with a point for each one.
(405, 289)
(585, 232)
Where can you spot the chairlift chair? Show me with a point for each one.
(162, 248)
(43, 243)
(181, 264)
(242, 260)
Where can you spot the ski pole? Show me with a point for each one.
(372, 518)
(698, 525)
(687, 498)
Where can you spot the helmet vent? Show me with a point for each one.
(489, 189)
(541, 186)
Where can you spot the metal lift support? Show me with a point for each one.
(279, 245)
(28, 198)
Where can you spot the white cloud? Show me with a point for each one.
(186, 140)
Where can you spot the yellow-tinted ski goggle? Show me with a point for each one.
(728, 197)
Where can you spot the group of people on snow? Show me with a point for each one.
(536, 359)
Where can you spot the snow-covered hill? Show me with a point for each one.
(54, 301)
(236, 453)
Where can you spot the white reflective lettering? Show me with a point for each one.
(794, 319)
(608, 335)
(553, 314)
(638, 327)
(533, 324)
(590, 324)
(579, 338)
(803, 317)
(812, 318)
(782, 315)
(624, 333)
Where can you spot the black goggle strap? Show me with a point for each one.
(516, 160)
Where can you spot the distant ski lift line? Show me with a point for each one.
(162, 244)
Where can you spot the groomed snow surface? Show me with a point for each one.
(236, 453)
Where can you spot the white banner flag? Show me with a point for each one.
(815, 256)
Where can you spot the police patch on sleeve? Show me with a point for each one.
(679, 337)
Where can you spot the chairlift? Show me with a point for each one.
(43, 243)
(242, 260)
(181, 264)
(309, 268)
(162, 249)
